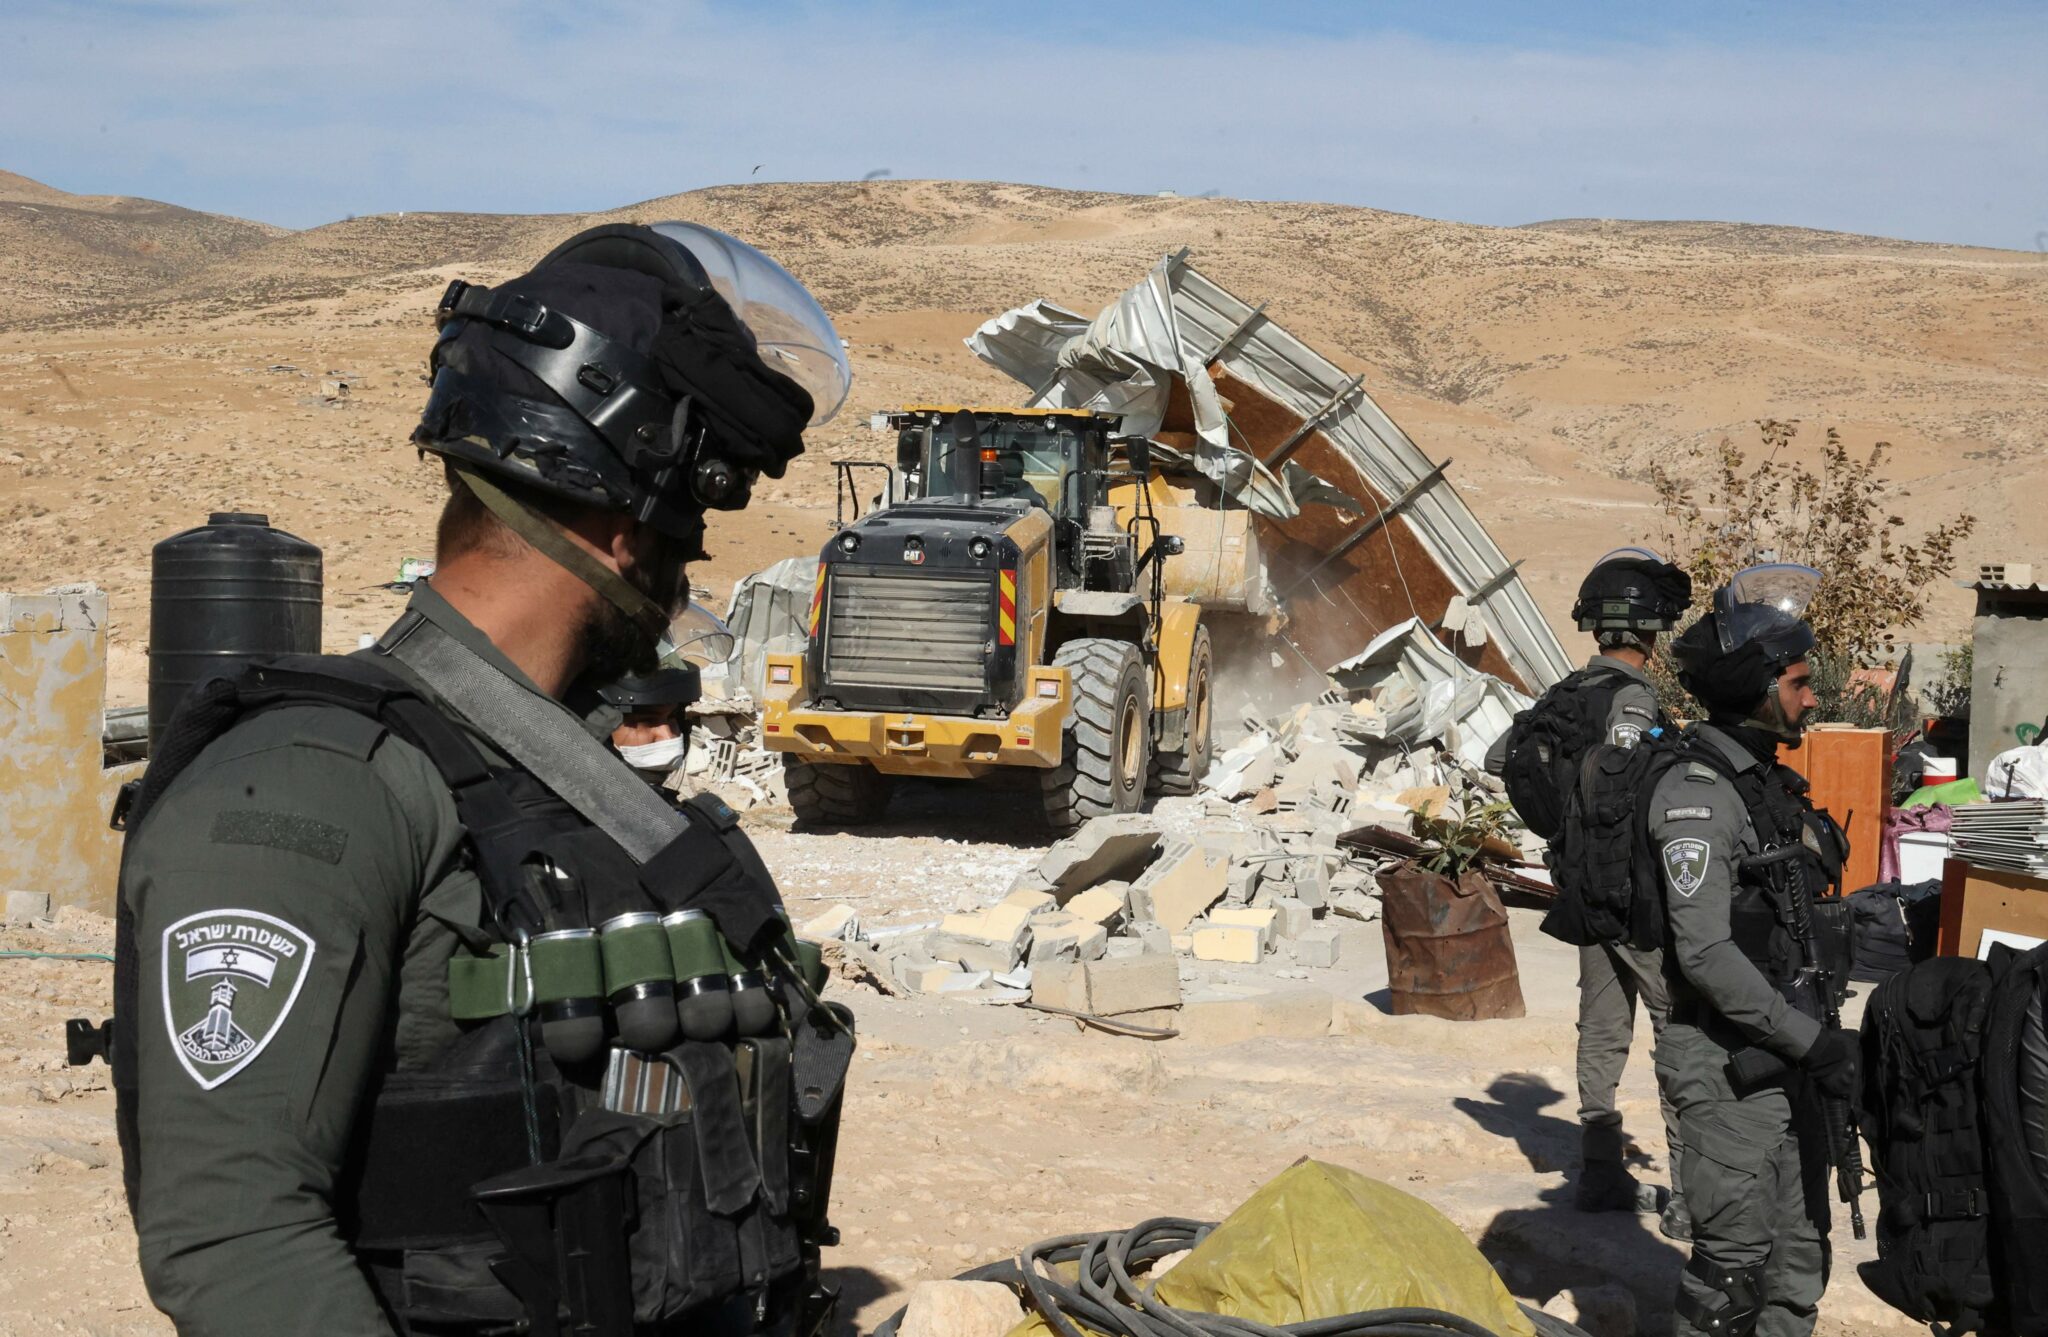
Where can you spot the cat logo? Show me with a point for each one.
(229, 979)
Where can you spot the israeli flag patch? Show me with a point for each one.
(1685, 864)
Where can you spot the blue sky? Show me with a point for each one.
(1901, 120)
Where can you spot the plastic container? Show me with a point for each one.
(1937, 770)
(1921, 854)
(232, 591)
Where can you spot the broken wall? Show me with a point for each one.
(55, 794)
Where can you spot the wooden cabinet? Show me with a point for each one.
(1850, 771)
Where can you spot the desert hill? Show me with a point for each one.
(1554, 362)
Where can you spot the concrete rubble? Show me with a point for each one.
(725, 756)
(1275, 869)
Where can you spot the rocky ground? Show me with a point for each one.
(974, 1129)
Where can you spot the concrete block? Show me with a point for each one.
(1116, 949)
(1103, 904)
(1245, 769)
(1312, 877)
(1010, 920)
(1032, 902)
(1243, 883)
(965, 924)
(974, 953)
(1105, 847)
(1247, 916)
(1055, 937)
(1187, 879)
(1316, 946)
(23, 906)
(834, 923)
(1029, 880)
(922, 974)
(1291, 917)
(1229, 942)
(1062, 984)
(1152, 939)
(1133, 984)
(960, 1309)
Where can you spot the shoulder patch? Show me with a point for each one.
(290, 831)
(1685, 864)
(1688, 814)
(1626, 735)
(230, 977)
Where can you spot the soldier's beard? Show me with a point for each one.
(612, 644)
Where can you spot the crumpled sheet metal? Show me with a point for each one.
(1123, 362)
(769, 614)
(1450, 701)
(1175, 322)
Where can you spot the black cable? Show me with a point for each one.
(1107, 1299)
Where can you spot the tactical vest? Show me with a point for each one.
(601, 1187)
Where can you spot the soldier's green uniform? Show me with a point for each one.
(1613, 976)
(340, 842)
(347, 1099)
(1753, 1173)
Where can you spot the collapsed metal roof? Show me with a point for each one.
(1276, 426)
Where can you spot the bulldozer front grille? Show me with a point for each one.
(916, 629)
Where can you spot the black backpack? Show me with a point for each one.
(1922, 1041)
(1892, 926)
(2015, 1095)
(1546, 743)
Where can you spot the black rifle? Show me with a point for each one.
(1754, 1066)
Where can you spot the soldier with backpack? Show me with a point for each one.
(1627, 600)
(1745, 1056)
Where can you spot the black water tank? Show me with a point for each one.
(223, 594)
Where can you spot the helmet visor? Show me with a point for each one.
(1785, 586)
(1630, 555)
(791, 331)
(700, 636)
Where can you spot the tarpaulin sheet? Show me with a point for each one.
(1319, 1241)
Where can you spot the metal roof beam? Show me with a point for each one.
(1310, 423)
(1370, 527)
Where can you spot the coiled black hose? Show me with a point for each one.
(1106, 1299)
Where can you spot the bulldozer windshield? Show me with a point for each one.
(1032, 458)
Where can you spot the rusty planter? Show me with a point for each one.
(1448, 950)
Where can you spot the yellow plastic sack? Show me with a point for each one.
(1320, 1240)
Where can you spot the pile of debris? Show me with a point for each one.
(1276, 866)
(725, 756)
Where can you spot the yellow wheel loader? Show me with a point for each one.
(1008, 610)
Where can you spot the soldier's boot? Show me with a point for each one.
(1605, 1185)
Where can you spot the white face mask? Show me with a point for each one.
(662, 755)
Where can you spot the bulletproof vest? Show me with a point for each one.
(639, 1117)
(1760, 914)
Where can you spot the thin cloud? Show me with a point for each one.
(301, 114)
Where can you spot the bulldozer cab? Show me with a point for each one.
(1055, 458)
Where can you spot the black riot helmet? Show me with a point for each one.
(655, 370)
(1632, 590)
(1731, 658)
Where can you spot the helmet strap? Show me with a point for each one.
(1769, 715)
(547, 538)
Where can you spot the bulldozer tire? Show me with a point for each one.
(1104, 750)
(1177, 772)
(834, 795)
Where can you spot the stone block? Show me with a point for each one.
(965, 924)
(1103, 904)
(1132, 984)
(1312, 877)
(1243, 882)
(1105, 847)
(23, 906)
(1316, 946)
(1092, 944)
(1248, 916)
(1187, 879)
(960, 1309)
(1010, 921)
(1229, 942)
(1055, 937)
(834, 923)
(1029, 880)
(921, 974)
(1291, 917)
(1116, 949)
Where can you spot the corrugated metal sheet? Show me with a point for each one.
(1178, 322)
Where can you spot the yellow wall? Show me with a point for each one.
(54, 794)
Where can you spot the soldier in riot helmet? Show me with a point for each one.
(1745, 1055)
(1629, 598)
(415, 975)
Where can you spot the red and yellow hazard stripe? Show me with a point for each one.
(1006, 608)
(818, 599)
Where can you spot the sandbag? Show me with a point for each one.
(1449, 953)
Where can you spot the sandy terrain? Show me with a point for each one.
(157, 364)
